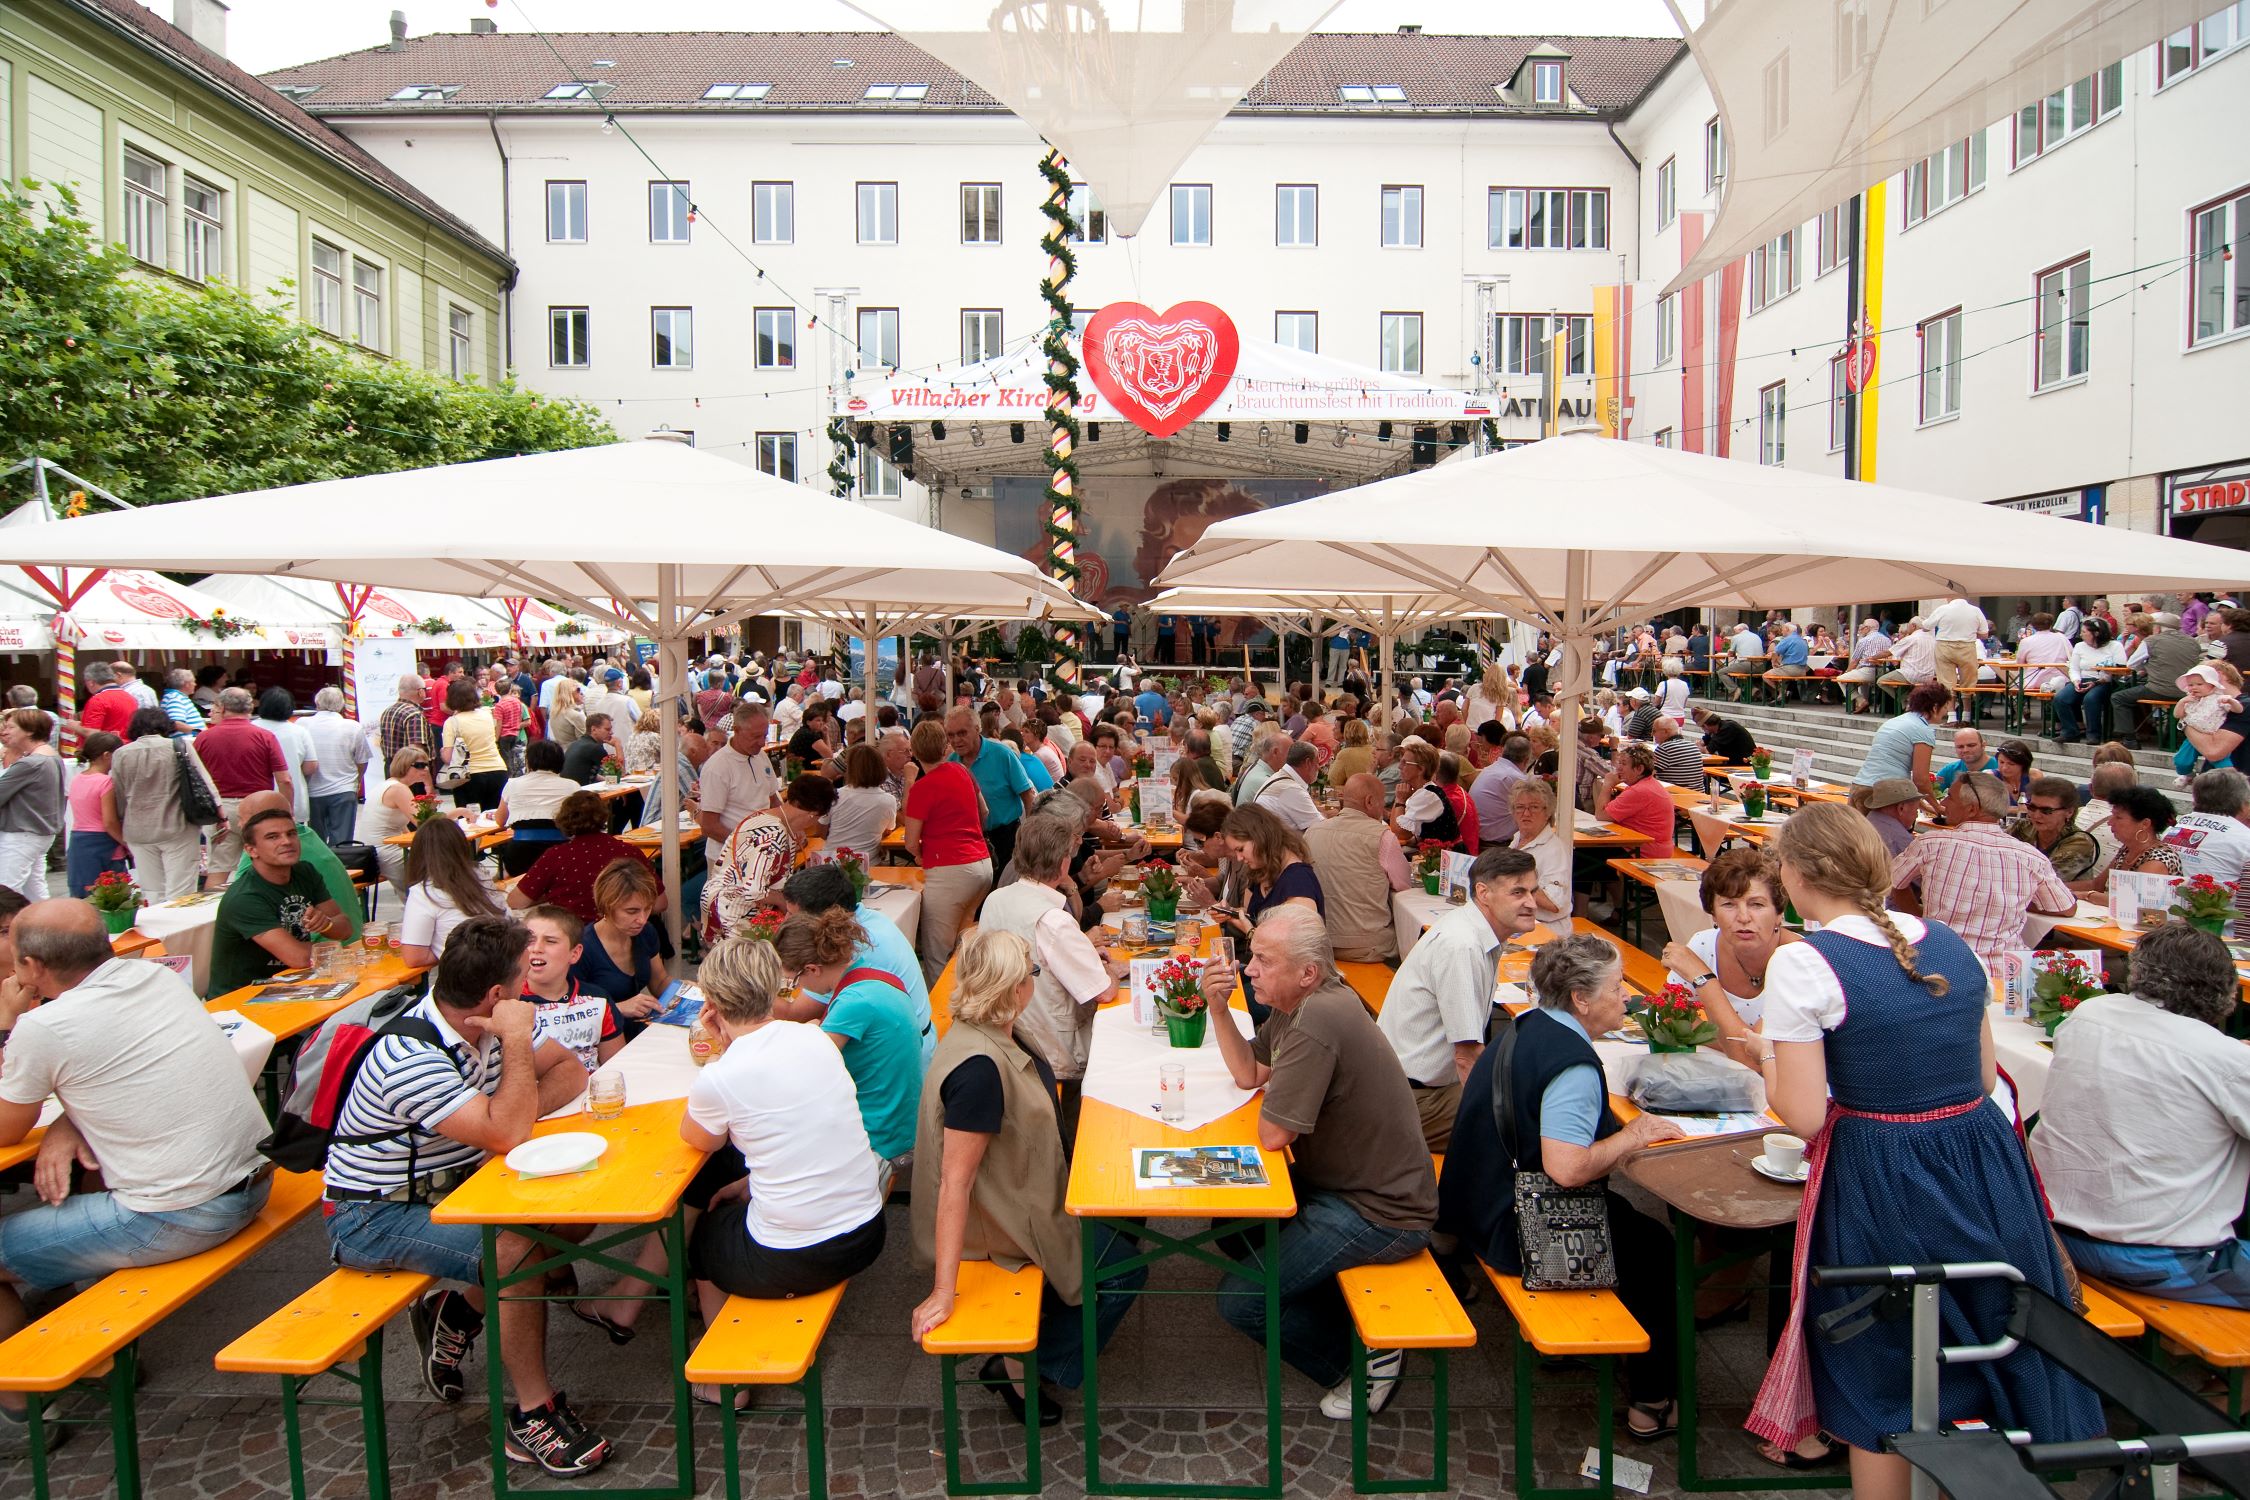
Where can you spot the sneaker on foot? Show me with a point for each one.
(15, 1433)
(445, 1326)
(553, 1438)
(1382, 1379)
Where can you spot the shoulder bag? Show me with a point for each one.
(199, 804)
(1562, 1234)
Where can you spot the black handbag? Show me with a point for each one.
(199, 803)
(1562, 1234)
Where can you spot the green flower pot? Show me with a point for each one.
(1186, 1031)
(2216, 926)
(1163, 911)
(120, 920)
(1657, 1046)
(1430, 884)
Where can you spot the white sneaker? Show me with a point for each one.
(1600, 911)
(1382, 1379)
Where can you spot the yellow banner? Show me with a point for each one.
(1872, 219)
(1609, 400)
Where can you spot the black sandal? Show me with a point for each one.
(618, 1332)
(1666, 1413)
(994, 1374)
(1789, 1458)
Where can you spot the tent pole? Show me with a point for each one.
(1318, 639)
(671, 669)
(1576, 680)
(1383, 643)
(874, 653)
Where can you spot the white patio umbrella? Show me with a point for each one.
(1580, 534)
(711, 542)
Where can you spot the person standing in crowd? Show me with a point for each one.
(1000, 780)
(110, 706)
(1904, 744)
(944, 835)
(178, 702)
(403, 725)
(508, 723)
(269, 918)
(566, 724)
(276, 716)
(1957, 623)
(31, 798)
(145, 778)
(1359, 866)
(471, 741)
(97, 837)
(340, 752)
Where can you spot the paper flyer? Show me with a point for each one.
(1198, 1166)
(1142, 981)
(1453, 875)
(683, 1002)
(2136, 898)
(1156, 802)
(2016, 971)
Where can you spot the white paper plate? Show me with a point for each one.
(550, 1155)
(1758, 1164)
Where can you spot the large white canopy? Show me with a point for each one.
(303, 605)
(127, 609)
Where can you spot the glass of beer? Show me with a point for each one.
(605, 1095)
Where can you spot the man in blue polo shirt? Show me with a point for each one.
(1150, 704)
(816, 889)
(1000, 777)
(1969, 754)
(1790, 651)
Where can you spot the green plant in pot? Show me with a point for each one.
(1673, 1022)
(2203, 902)
(2061, 987)
(118, 900)
(1162, 892)
(1430, 861)
(1179, 1000)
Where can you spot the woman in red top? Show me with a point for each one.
(944, 821)
(564, 875)
(1633, 798)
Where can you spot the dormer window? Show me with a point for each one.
(1372, 93)
(1546, 82)
(568, 91)
(427, 92)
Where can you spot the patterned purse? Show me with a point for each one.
(1562, 1234)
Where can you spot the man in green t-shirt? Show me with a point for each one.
(273, 912)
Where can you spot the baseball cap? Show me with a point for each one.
(613, 675)
(1891, 791)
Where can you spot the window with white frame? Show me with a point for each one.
(1090, 224)
(460, 342)
(879, 478)
(1714, 154)
(328, 288)
(566, 213)
(1839, 401)
(878, 213)
(203, 230)
(2219, 237)
(1667, 329)
(1522, 342)
(147, 230)
(2069, 113)
(1546, 82)
(668, 213)
(1774, 105)
(1296, 216)
(1941, 366)
(367, 303)
(1191, 213)
(1941, 180)
(1666, 438)
(750, 91)
(980, 334)
(773, 213)
(1833, 251)
(1667, 191)
(1851, 39)
(1297, 330)
(903, 93)
(777, 455)
(2217, 34)
(2064, 341)
(569, 91)
(672, 338)
(1547, 219)
(980, 213)
(1773, 270)
(1400, 343)
(1773, 424)
(570, 344)
(878, 338)
(774, 335)
(1402, 218)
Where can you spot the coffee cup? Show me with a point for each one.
(1785, 1153)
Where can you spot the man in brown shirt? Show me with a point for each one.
(1337, 1099)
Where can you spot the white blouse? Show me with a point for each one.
(1705, 945)
(1552, 856)
(1804, 999)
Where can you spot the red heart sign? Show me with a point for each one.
(150, 601)
(385, 604)
(1161, 372)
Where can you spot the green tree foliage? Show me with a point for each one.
(157, 390)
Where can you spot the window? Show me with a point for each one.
(203, 245)
(328, 287)
(773, 213)
(1092, 224)
(738, 91)
(776, 338)
(1773, 423)
(566, 213)
(903, 93)
(2067, 113)
(569, 91)
(878, 338)
(1941, 366)
(460, 342)
(1851, 38)
(1839, 401)
(2064, 339)
(1191, 213)
(1942, 180)
(879, 478)
(1546, 83)
(777, 455)
(1773, 270)
(2216, 35)
(1296, 215)
(1372, 93)
(1401, 339)
(1667, 329)
(367, 303)
(1667, 191)
(1521, 341)
(427, 93)
(672, 338)
(569, 338)
(980, 334)
(1832, 251)
(878, 213)
(1665, 438)
(1547, 219)
(146, 233)
(980, 213)
(1714, 154)
(669, 213)
(1402, 218)
(2220, 237)
(1297, 330)
(1774, 115)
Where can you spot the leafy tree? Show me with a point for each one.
(159, 391)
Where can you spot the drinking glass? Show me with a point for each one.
(324, 964)
(605, 1095)
(1171, 1092)
(374, 937)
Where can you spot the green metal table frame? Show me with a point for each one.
(116, 1388)
(2152, 1350)
(1364, 1481)
(949, 1384)
(366, 1377)
(672, 1231)
(1196, 1247)
(1605, 1438)
(812, 1408)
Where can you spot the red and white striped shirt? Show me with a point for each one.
(1982, 882)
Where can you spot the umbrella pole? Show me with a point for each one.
(1317, 639)
(1576, 679)
(1383, 642)
(874, 651)
(671, 667)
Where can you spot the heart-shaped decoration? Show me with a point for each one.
(385, 604)
(1161, 371)
(150, 601)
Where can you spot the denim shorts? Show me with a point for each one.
(384, 1236)
(89, 1235)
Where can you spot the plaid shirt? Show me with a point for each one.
(1982, 882)
(402, 727)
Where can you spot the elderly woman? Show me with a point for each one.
(145, 775)
(31, 799)
(1425, 811)
(871, 1020)
(1533, 803)
(1725, 964)
(989, 1168)
(2138, 816)
(1355, 752)
(1554, 1098)
(2151, 1079)
(864, 811)
(564, 876)
(2081, 703)
(752, 862)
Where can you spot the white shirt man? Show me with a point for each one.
(1956, 620)
(1285, 793)
(790, 711)
(737, 780)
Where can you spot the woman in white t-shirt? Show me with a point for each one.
(1726, 964)
(1672, 693)
(533, 797)
(864, 811)
(445, 886)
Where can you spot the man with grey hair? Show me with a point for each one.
(1915, 652)
(244, 758)
(1269, 751)
(1493, 791)
(2170, 654)
(2152, 1080)
(109, 705)
(2214, 839)
(1386, 764)
(403, 725)
(1287, 793)
(340, 753)
(1975, 876)
(1337, 1099)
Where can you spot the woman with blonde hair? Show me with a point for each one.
(1876, 1047)
(990, 1164)
(390, 808)
(1355, 752)
(566, 721)
(1493, 699)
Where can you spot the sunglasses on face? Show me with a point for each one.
(2039, 807)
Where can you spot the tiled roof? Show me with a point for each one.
(673, 69)
(182, 51)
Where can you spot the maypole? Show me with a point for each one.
(1062, 402)
(353, 598)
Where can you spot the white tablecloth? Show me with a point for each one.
(1121, 1070)
(1711, 830)
(184, 930)
(901, 903)
(2023, 1054)
(656, 1066)
(1412, 910)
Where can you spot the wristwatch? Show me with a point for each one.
(1699, 983)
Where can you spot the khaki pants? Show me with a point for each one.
(168, 868)
(951, 895)
(1957, 667)
(1438, 1106)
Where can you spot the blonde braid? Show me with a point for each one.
(1835, 849)
(1902, 950)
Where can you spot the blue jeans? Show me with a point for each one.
(400, 1237)
(1325, 1237)
(333, 818)
(2079, 711)
(2215, 1277)
(1062, 1328)
(89, 1235)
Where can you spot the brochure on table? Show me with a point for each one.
(1453, 875)
(2132, 896)
(1198, 1166)
(2016, 972)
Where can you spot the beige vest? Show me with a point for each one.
(1346, 855)
(1016, 1213)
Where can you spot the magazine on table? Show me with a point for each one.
(2133, 896)
(683, 1002)
(334, 990)
(2017, 972)
(1198, 1166)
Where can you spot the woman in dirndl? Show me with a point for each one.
(1876, 1049)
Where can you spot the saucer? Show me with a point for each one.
(1764, 1168)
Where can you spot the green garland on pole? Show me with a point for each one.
(841, 452)
(1063, 513)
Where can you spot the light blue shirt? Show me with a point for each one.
(1790, 651)
(887, 949)
(1946, 777)
(1571, 1107)
(1891, 753)
(1042, 780)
